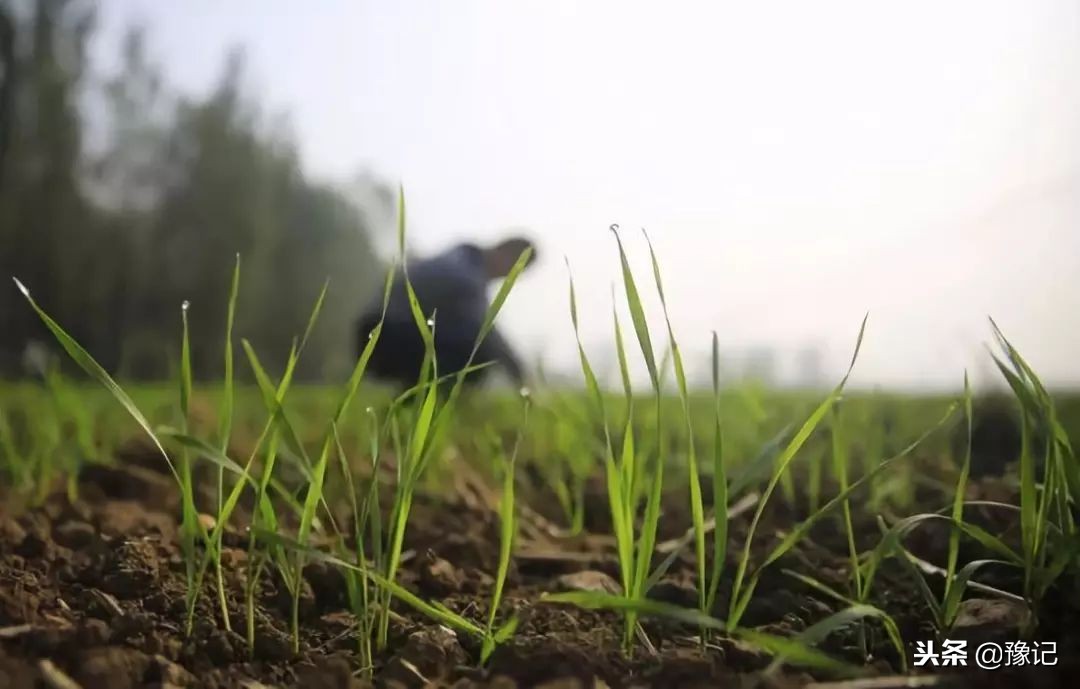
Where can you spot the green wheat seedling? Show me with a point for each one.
(359, 570)
(182, 477)
(364, 512)
(616, 474)
(953, 590)
(626, 478)
(1049, 545)
(623, 476)
(707, 587)
(1048, 531)
(279, 438)
(573, 441)
(268, 437)
(943, 611)
(314, 497)
(720, 485)
(225, 421)
(189, 523)
(743, 587)
(16, 463)
(493, 636)
(435, 611)
(803, 528)
(797, 650)
(816, 633)
(68, 407)
(840, 474)
(891, 546)
(697, 509)
(280, 429)
(820, 468)
(634, 465)
(264, 514)
(859, 610)
(429, 427)
(873, 452)
(432, 419)
(47, 434)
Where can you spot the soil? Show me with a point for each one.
(92, 596)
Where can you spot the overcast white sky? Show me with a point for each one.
(796, 163)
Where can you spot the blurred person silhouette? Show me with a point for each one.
(452, 285)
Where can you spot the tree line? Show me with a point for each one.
(121, 198)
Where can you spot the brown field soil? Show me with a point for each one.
(92, 596)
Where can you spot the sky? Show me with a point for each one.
(795, 164)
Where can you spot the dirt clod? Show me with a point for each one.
(75, 535)
(93, 632)
(983, 620)
(428, 656)
(440, 578)
(589, 580)
(111, 667)
(95, 591)
(167, 672)
(332, 672)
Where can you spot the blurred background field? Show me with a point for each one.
(52, 429)
(796, 167)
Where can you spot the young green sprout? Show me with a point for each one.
(507, 534)
(623, 476)
(432, 417)
(190, 524)
(363, 513)
(743, 588)
(225, 421)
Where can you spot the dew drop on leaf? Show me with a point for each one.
(22, 287)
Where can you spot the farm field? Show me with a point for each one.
(723, 345)
(269, 534)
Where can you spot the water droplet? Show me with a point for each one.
(185, 305)
(22, 287)
(370, 410)
(431, 322)
(371, 334)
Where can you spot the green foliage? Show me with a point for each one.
(951, 597)
(114, 230)
(507, 534)
(623, 477)
(294, 452)
(792, 650)
(740, 594)
(431, 417)
(720, 485)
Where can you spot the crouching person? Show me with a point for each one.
(452, 285)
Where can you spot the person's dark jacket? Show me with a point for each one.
(452, 286)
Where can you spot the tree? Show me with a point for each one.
(48, 231)
(113, 238)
